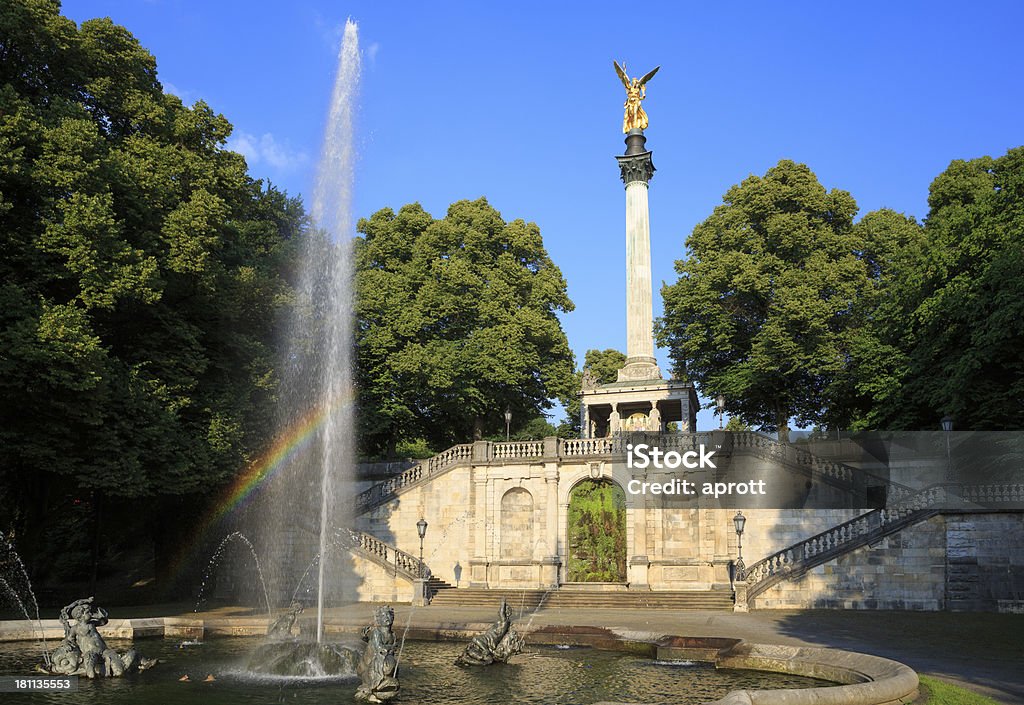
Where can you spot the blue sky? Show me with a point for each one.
(518, 102)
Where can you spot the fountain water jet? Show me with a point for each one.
(332, 200)
(316, 389)
(215, 559)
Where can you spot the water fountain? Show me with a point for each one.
(235, 536)
(318, 385)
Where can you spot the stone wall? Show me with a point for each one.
(446, 503)
(903, 571)
(370, 582)
(985, 560)
(954, 561)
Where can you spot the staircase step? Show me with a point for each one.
(531, 599)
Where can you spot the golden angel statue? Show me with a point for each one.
(635, 117)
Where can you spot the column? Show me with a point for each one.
(478, 565)
(550, 563)
(637, 168)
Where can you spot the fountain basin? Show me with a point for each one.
(861, 679)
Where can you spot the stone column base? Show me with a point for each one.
(740, 588)
(549, 572)
(638, 567)
(420, 598)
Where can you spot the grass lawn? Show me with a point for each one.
(942, 693)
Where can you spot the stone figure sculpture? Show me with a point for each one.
(282, 626)
(377, 669)
(635, 118)
(84, 652)
(498, 644)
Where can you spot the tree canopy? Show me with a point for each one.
(141, 271)
(456, 322)
(965, 298)
(789, 309)
(605, 366)
(762, 310)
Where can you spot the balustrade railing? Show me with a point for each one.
(577, 447)
(797, 559)
(486, 451)
(386, 490)
(517, 450)
(402, 563)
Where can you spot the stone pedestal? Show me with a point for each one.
(740, 603)
(420, 596)
(549, 572)
(638, 568)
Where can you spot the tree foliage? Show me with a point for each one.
(597, 532)
(140, 269)
(456, 322)
(763, 310)
(605, 366)
(965, 300)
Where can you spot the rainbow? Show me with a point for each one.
(286, 447)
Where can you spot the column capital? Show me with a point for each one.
(636, 167)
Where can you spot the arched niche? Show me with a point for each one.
(517, 524)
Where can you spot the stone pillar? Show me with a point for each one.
(550, 563)
(637, 168)
(639, 562)
(584, 420)
(478, 565)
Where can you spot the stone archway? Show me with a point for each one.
(596, 533)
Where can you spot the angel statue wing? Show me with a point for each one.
(621, 70)
(649, 75)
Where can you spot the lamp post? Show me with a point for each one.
(508, 422)
(720, 403)
(420, 595)
(947, 427)
(421, 529)
(739, 521)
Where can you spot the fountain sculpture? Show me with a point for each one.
(281, 628)
(378, 668)
(84, 652)
(496, 645)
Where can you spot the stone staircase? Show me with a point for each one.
(567, 598)
(907, 508)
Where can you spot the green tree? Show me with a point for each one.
(141, 277)
(456, 322)
(763, 308)
(879, 344)
(965, 326)
(605, 366)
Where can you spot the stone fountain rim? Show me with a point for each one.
(862, 679)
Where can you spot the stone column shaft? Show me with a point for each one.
(637, 168)
(639, 308)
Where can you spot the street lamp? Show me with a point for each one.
(720, 403)
(947, 427)
(421, 529)
(740, 521)
(508, 422)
